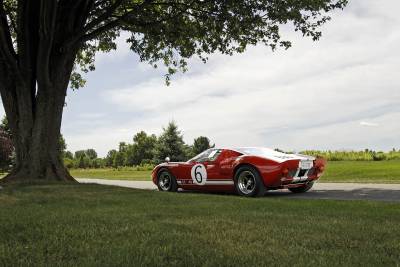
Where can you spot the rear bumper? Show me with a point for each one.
(302, 176)
(292, 175)
(291, 184)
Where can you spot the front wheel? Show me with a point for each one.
(166, 181)
(302, 189)
(248, 182)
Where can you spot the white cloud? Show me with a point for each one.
(369, 124)
(91, 116)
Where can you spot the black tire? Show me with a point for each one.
(302, 189)
(253, 190)
(162, 177)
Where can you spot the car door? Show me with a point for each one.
(200, 172)
(217, 178)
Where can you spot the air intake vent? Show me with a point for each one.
(292, 173)
(302, 172)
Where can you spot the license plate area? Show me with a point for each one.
(306, 164)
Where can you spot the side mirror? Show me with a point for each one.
(167, 159)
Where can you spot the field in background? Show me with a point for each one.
(93, 225)
(337, 171)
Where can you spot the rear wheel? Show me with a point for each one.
(166, 181)
(248, 182)
(302, 189)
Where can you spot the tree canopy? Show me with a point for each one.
(169, 31)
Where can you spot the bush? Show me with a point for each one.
(68, 163)
(379, 156)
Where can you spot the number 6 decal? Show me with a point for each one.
(199, 174)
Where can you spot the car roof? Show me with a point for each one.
(242, 151)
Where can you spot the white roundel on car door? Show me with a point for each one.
(199, 174)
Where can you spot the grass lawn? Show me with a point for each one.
(337, 171)
(112, 174)
(362, 172)
(94, 225)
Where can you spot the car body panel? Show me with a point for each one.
(277, 170)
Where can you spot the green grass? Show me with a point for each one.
(337, 171)
(93, 225)
(113, 174)
(362, 172)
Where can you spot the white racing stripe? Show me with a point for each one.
(227, 182)
(208, 182)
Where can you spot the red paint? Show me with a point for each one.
(275, 175)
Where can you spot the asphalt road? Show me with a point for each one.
(342, 191)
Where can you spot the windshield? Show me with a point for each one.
(208, 155)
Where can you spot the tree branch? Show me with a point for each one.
(103, 17)
(6, 45)
(48, 13)
(99, 31)
(120, 19)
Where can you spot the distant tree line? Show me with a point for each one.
(146, 149)
(365, 155)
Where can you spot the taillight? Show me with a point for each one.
(285, 172)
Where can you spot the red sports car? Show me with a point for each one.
(249, 171)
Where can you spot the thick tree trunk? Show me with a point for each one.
(36, 140)
(35, 122)
(35, 68)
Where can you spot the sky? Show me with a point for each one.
(340, 93)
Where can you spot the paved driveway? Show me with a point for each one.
(384, 192)
(131, 184)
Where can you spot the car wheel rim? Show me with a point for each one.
(246, 182)
(165, 181)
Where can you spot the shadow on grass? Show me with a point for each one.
(357, 194)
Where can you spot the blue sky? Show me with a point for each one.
(342, 92)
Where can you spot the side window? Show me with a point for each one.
(208, 155)
(202, 159)
(214, 154)
(203, 156)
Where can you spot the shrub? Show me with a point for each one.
(68, 163)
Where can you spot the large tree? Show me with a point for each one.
(200, 144)
(170, 144)
(42, 42)
(142, 149)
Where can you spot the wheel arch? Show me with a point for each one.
(244, 164)
(163, 168)
(261, 188)
(174, 184)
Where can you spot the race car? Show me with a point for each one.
(248, 171)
